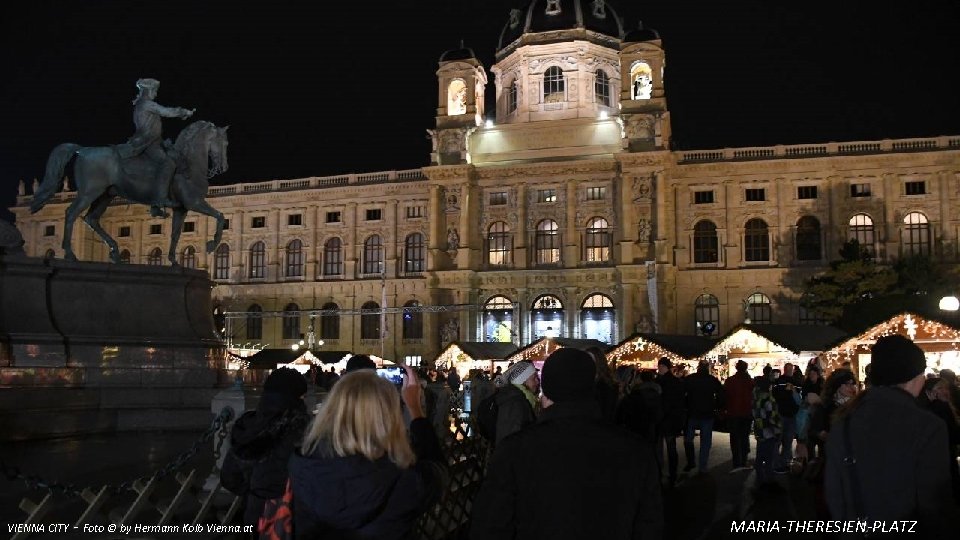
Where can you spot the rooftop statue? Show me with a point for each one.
(145, 170)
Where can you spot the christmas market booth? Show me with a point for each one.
(774, 344)
(258, 366)
(539, 350)
(645, 350)
(467, 355)
(940, 343)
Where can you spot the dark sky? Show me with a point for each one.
(315, 88)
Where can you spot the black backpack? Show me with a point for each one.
(487, 417)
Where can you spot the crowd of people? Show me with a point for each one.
(583, 451)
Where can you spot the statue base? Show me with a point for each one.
(94, 348)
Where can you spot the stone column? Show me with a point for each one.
(947, 235)
(464, 228)
(351, 250)
(520, 232)
(391, 241)
(435, 235)
(570, 255)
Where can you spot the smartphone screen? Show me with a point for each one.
(393, 374)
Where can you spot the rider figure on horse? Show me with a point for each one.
(147, 117)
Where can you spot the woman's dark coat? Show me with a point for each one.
(352, 497)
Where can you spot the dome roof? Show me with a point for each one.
(641, 34)
(463, 53)
(551, 15)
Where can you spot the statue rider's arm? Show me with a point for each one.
(169, 112)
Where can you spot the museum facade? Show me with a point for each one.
(563, 212)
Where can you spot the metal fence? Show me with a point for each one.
(179, 494)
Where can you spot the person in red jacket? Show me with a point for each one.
(738, 396)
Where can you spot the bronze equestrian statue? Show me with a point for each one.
(145, 170)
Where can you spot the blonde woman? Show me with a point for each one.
(358, 474)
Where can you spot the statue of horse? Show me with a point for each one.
(100, 175)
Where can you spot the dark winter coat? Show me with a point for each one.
(607, 396)
(704, 393)
(674, 404)
(270, 436)
(738, 395)
(900, 459)
(570, 476)
(641, 411)
(352, 497)
(785, 398)
(514, 412)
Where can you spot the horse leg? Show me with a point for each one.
(81, 203)
(201, 207)
(92, 219)
(179, 214)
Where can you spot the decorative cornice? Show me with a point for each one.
(448, 172)
(547, 169)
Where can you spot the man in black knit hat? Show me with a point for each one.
(570, 475)
(887, 459)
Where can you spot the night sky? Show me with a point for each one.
(315, 88)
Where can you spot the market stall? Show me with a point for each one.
(645, 350)
(539, 350)
(774, 344)
(467, 355)
(940, 343)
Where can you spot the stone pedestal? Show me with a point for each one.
(94, 347)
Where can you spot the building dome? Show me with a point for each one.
(463, 53)
(555, 15)
(641, 34)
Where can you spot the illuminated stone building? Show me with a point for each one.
(563, 212)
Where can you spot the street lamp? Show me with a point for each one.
(949, 303)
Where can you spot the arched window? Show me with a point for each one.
(291, 322)
(124, 256)
(547, 242)
(49, 254)
(155, 258)
(330, 323)
(188, 257)
(498, 319)
(641, 80)
(553, 84)
(499, 244)
(373, 255)
(295, 258)
(332, 258)
(412, 321)
(258, 260)
(597, 318)
(758, 309)
(706, 315)
(756, 240)
(597, 241)
(254, 322)
(915, 236)
(370, 321)
(601, 88)
(861, 230)
(513, 93)
(547, 315)
(456, 97)
(414, 254)
(808, 239)
(706, 246)
(221, 262)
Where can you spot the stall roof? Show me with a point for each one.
(795, 337)
(270, 358)
(483, 350)
(686, 346)
(561, 342)
(916, 327)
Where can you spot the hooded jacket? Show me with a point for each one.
(269, 435)
(352, 497)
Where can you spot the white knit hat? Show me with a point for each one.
(520, 372)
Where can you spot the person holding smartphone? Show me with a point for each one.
(357, 474)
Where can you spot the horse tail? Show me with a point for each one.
(56, 163)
